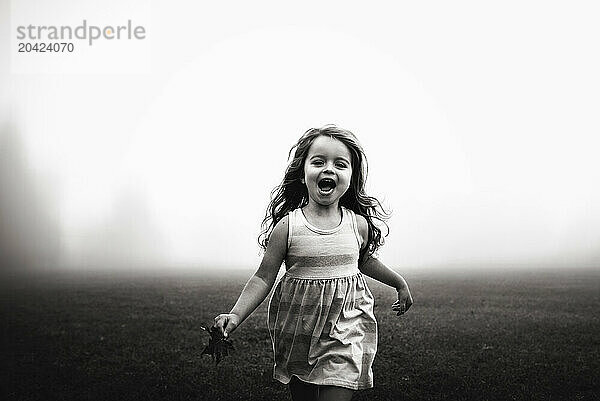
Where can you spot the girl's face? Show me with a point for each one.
(327, 170)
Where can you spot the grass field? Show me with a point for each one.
(494, 336)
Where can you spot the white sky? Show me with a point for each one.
(480, 122)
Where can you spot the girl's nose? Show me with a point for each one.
(328, 168)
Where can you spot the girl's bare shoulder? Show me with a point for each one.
(363, 229)
(275, 252)
(282, 224)
(280, 231)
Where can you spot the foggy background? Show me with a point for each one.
(480, 123)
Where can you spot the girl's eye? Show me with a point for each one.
(317, 162)
(341, 165)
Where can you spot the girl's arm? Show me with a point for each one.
(373, 268)
(260, 284)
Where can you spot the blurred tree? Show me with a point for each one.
(29, 233)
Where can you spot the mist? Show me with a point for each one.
(483, 146)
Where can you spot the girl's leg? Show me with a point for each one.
(334, 393)
(302, 391)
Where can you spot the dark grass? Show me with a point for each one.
(494, 336)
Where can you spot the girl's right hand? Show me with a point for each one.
(226, 323)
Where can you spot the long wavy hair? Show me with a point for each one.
(292, 193)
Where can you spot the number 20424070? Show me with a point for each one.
(26, 47)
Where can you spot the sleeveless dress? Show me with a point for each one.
(320, 316)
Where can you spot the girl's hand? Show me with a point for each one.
(404, 301)
(226, 323)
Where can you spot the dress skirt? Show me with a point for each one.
(323, 331)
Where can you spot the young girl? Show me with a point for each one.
(320, 222)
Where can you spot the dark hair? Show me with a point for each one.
(292, 193)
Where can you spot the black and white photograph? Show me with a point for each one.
(303, 201)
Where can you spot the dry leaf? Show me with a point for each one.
(218, 346)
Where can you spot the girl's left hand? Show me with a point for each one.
(404, 301)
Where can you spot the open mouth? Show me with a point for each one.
(326, 186)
